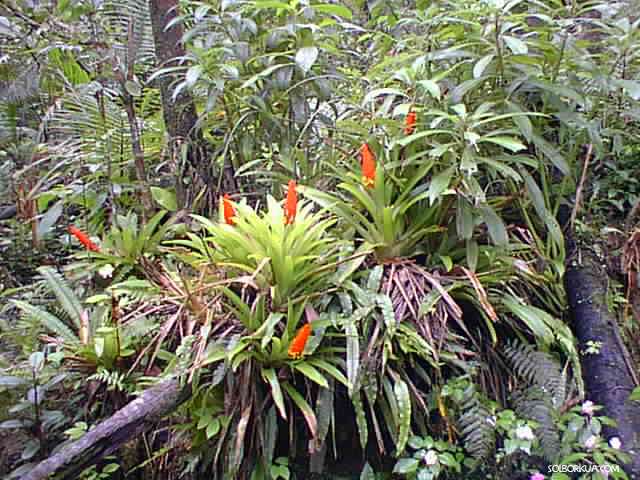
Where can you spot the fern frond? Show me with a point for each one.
(66, 297)
(478, 432)
(50, 322)
(542, 396)
(534, 404)
(539, 369)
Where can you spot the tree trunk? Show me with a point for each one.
(180, 116)
(138, 155)
(135, 418)
(607, 375)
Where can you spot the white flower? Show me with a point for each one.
(524, 433)
(591, 442)
(587, 408)
(430, 458)
(615, 443)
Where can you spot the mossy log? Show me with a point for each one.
(139, 416)
(607, 375)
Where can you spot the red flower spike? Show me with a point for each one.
(227, 209)
(300, 340)
(368, 162)
(410, 123)
(291, 203)
(83, 238)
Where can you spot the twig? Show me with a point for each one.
(583, 178)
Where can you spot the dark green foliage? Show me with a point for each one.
(542, 394)
(476, 425)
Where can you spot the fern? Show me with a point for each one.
(475, 426)
(49, 321)
(533, 403)
(543, 394)
(66, 297)
(539, 369)
(112, 380)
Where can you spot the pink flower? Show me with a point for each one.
(615, 443)
(537, 476)
(591, 442)
(587, 408)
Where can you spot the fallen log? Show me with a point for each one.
(607, 375)
(137, 417)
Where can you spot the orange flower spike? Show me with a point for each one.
(227, 210)
(291, 203)
(300, 340)
(410, 123)
(368, 162)
(83, 238)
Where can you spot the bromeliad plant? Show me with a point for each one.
(391, 213)
(285, 253)
(281, 259)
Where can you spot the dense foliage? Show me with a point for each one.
(361, 271)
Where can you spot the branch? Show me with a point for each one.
(137, 417)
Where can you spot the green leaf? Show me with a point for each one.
(440, 183)
(213, 428)
(339, 10)
(310, 372)
(533, 317)
(330, 369)
(373, 94)
(306, 57)
(353, 355)
(133, 88)
(509, 143)
(635, 395)
(49, 219)
(517, 46)
(481, 64)
(193, 74)
(165, 198)
(10, 382)
(401, 392)
(472, 254)
(304, 407)
(12, 424)
(406, 466)
(270, 375)
(273, 4)
(495, 225)
(431, 87)
(367, 473)
(536, 196)
(552, 154)
(447, 459)
(632, 87)
(361, 419)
